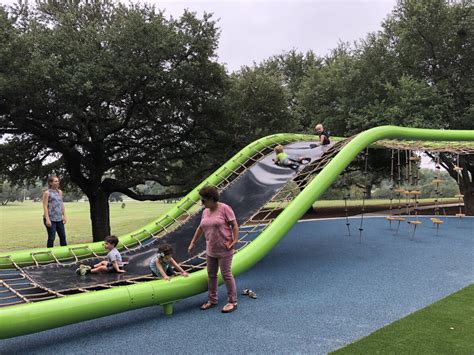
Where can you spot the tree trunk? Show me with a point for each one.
(469, 203)
(466, 184)
(368, 192)
(466, 187)
(100, 215)
(465, 179)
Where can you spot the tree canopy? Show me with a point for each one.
(110, 96)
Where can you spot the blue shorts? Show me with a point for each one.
(110, 267)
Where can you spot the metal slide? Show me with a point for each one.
(247, 181)
(247, 194)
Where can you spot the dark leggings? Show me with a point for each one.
(55, 227)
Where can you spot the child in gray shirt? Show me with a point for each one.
(113, 263)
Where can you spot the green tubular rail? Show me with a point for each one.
(28, 318)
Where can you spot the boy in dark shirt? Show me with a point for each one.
(323, 135)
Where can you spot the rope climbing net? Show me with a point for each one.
(17, 287)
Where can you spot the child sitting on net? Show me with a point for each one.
(163, 265)
(113, 263)
(283, 159)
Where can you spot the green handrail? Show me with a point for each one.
(29, 318)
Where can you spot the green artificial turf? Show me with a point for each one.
(445, 327)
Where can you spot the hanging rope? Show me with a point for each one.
(361, 229)
(399, 190)
(346, 197)
(407, 181)
(392, 187)
(459, 196)
(437, 181)
(415, 179)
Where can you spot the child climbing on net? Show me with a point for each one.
(283, 159)
(163, 265)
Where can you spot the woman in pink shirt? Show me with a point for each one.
(221, 232)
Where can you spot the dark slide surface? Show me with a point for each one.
(246, 195)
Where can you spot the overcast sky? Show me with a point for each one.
(255, 30)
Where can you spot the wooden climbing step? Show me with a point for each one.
(394, 218)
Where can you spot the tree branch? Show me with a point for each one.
(139, 197)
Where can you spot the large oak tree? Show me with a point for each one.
(109, 96)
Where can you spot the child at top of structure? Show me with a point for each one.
(163, 264)
(323, 134)
(283, 159)
(113, 263)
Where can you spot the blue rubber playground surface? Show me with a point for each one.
(318, 290)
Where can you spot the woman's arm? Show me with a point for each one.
(235, 234)
(45, 208)
(63, 208)
(197, 235)
(179, 268)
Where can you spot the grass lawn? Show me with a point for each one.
(21, 225)
(445, 327)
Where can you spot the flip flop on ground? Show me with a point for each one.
(246, 291)
(252, 294)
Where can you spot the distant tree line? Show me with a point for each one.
(17, 193)
(12, 193)
(112, 96)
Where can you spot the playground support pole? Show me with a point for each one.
(168, 308)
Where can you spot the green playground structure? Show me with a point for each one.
(33, 317)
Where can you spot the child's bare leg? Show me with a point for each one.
(100, 268)
(100, 264)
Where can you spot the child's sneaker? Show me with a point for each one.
(86, 269)
(83, 270)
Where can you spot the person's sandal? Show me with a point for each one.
(207, 305)
(229, 307)
(246, 291)
(252, 294)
